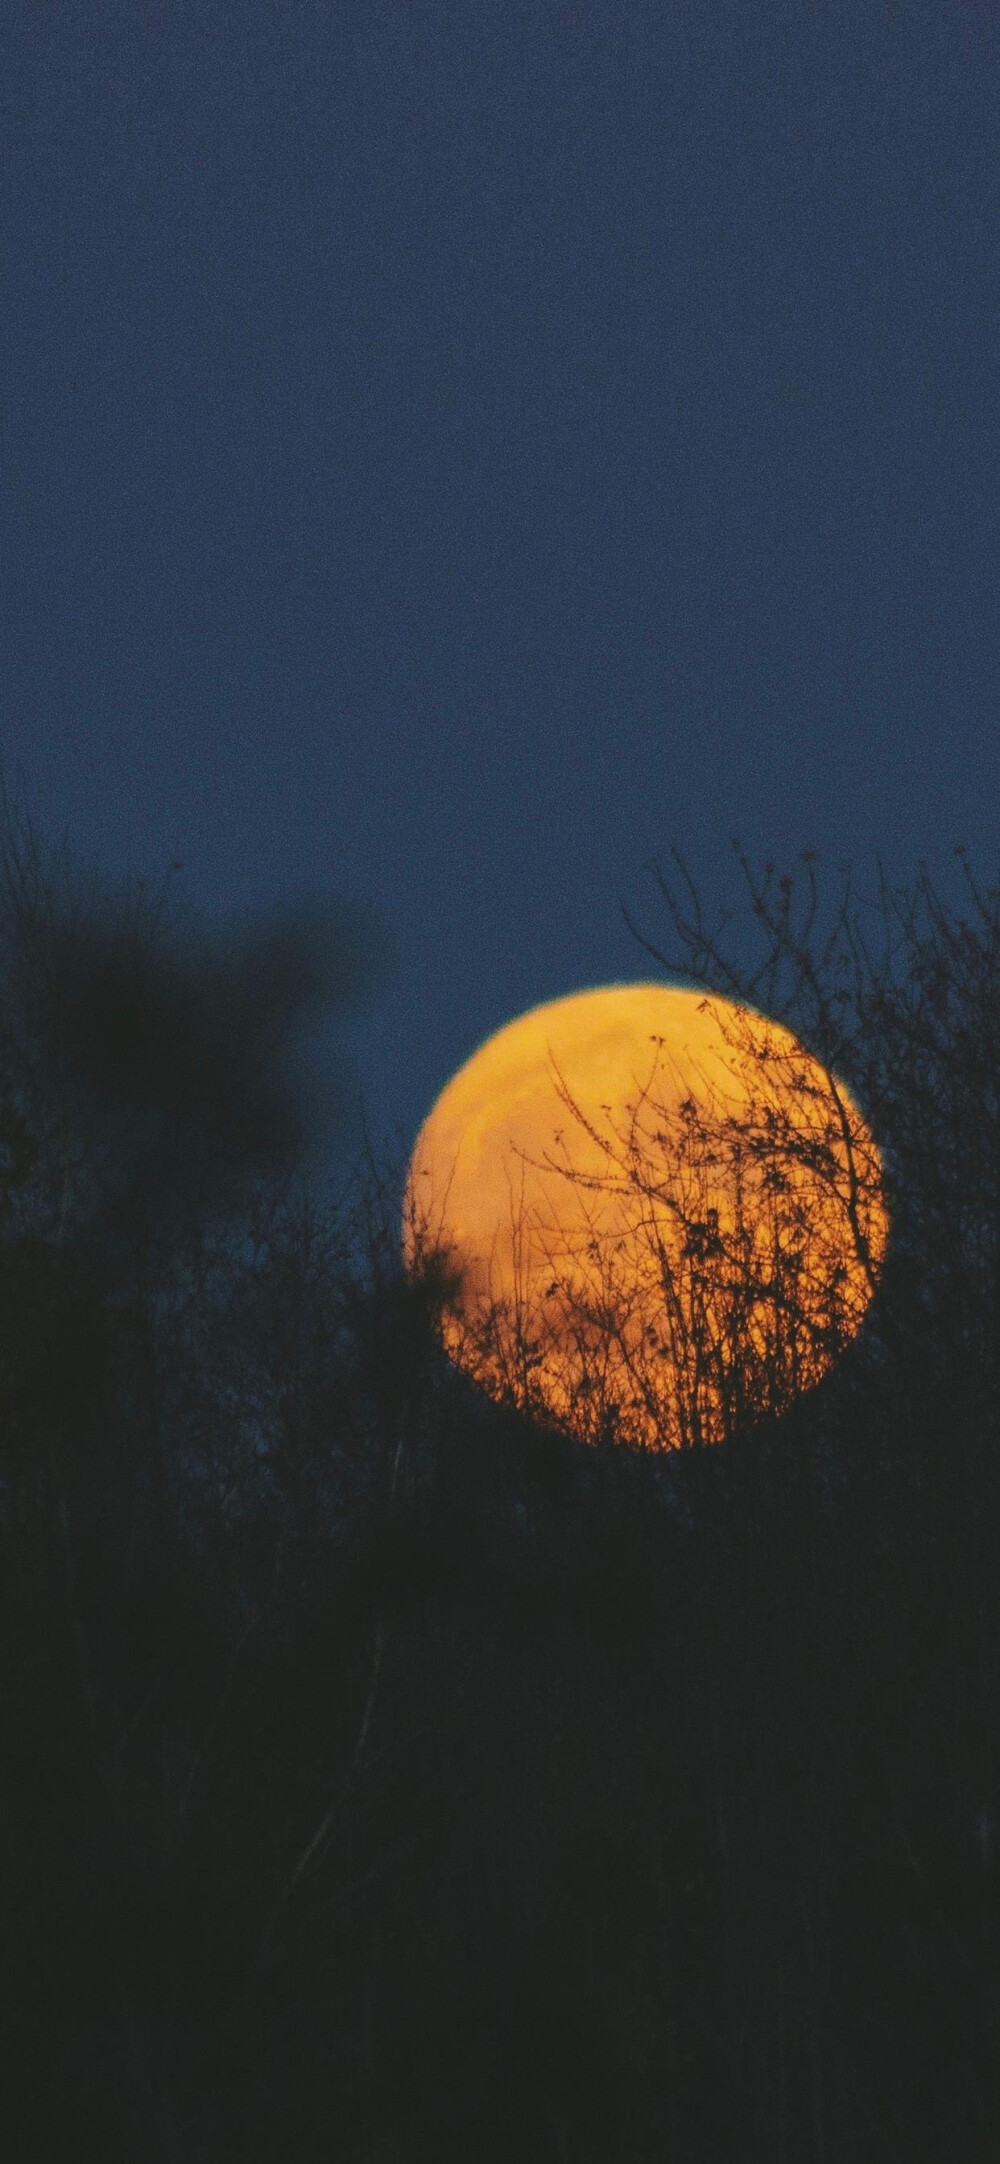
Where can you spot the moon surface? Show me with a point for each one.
(661, 1217)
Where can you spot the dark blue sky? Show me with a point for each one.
(454, 451)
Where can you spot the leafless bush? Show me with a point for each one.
(384, 1770)
(716, 1264)
(898, 990)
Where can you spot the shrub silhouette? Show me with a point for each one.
(682, 1265)
(388, 1775)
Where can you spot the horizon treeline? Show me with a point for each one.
(387, 1776)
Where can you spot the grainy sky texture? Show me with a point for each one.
(453, 451)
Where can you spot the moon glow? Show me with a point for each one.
(662, 1216)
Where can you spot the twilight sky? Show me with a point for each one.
(453, 451)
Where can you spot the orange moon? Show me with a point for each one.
(661, 1217)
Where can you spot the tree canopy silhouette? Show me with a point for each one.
(387, 1773)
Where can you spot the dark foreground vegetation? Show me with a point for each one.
(386, 1779)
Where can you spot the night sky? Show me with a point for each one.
(453, 452)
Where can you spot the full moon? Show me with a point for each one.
(655, 1216)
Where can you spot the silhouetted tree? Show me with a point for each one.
(391, 1775)
(713, 1260)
